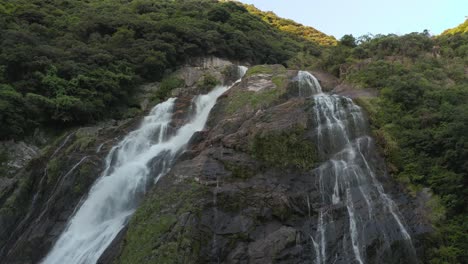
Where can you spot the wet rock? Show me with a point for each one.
(327, 80)
(53, 183)
(145, 95)
(183, 110)
(265, 250)
(252, 211)
(18, 154)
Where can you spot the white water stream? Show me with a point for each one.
(115, 195)
(348, 185)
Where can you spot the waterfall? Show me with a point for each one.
(129, 171)
(349, 187)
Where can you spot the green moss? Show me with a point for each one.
(259, 69)
(279, 80)
(207, 83)
(53, 170)
(263, 98)
(82, 179)
(154, 234)
(285, 149)
(256, 100)
(265, 69)
(239, 171)
(81, 142)
(19, 199)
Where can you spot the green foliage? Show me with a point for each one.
(284, 149)
(255, 100)
(259, 69)
(420, 120)
(462, 28)
(167, 85)
(294, 28)
(348, 40)
(13, 115)
(71, 63)
(375, 74)
(207, 83)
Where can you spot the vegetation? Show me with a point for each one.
(284, 149)
(420, 119)
(294, 28)
(462, 28)
(158, 219)
(207, 83)
(260, 69)
(167, 85)
(263, 98)
(65, 63)
(252, 99)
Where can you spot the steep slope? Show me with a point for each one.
(67, 63)
(275, 177)
(294, 28)
(415, 89)
(38, 200)
(250, 188)
(460, 29)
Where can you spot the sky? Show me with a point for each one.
(360, 17)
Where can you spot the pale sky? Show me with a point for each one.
(359, 17)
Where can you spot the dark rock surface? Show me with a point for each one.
(49, 188)
(227, 201)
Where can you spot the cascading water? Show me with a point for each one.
(129, 171)
(349, 188)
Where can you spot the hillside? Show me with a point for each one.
(419, 118)
(462, 28)
(205, 131)
(66, 64)
(294, 28)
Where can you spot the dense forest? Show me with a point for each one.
(420, 119)
(65, 63)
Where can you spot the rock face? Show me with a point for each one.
(198, 75)
(47, 190)
(243, 192)
(18, 155)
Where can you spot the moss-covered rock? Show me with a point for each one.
(254, 100)
(286, 148)
(3, 163)
(239, 171)
(265, 69)
(207, 83)
(53, 170)
(82, 140)
(161, 229)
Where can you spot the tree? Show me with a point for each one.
(348, 40)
